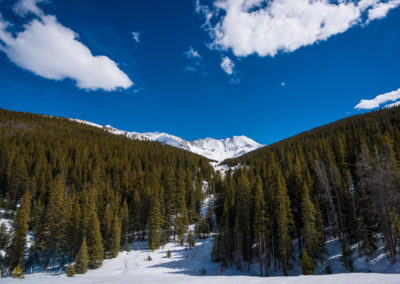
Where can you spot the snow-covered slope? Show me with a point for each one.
(211, 148)
(193, 266)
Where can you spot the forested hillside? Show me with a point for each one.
(83, 193)
(340, 180)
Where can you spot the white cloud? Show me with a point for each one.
(268, 27)
(393, 104)
(136, 36)
(283, 84)
(196, 60)
(380, 10)
(48, 49)
(227, 65)
(379, 100)
(192, 53)
(24, 7)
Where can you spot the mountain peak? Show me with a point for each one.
(211, 148)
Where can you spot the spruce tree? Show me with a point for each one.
(106, 230)
(71, 271)
(307, 264)
(190, 240)
(154, 227)
(82, 258)
(181, 218)
(16, 251)
(53, 234)
(310, 232)
(259, 219)
(74, 227)
(4, 236)
(115, 240)
(284, 221)
(124, 216)
(243, 225)
(94, 239)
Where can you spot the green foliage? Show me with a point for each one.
(17, 272)
(81, 177)
(82, 258)
(71, 271)
(94, 239)
(311, 233)
(284, 221)
(202, 230)
(181, 217)
(190, 240)
(16, 251)
(338, 176)
(83, 182)
(4, 236)
(115, 239)
(307, 264)
(154, 225)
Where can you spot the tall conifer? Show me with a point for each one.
(16, 251)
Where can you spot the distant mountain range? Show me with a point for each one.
(214, 149)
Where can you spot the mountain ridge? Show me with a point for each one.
(211, 148)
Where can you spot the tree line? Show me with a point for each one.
(336, 181)
(83, 193)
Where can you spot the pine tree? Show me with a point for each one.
(18, 180)
(243, 225)
(190, 240)
(154, 227)
(210, 219)
(124, 216)
(310, 232)
(74, 227)
(368, 226)
(106, 230)
(82, 258)
(94, 239)
(4, 236)
(284, 222)
(16, 251)
(115, 239)
(307, 264)
(71, 271)
(181, 219)
(259, 219)
(37, 218)
(53, 234)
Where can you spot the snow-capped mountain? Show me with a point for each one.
(211, 148)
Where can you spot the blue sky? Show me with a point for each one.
(248, 70)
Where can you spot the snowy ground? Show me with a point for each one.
(186, 266)
(194, 266)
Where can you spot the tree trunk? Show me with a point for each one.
(273, 252)
(266, 258)
(284, 268)
(260, 255)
